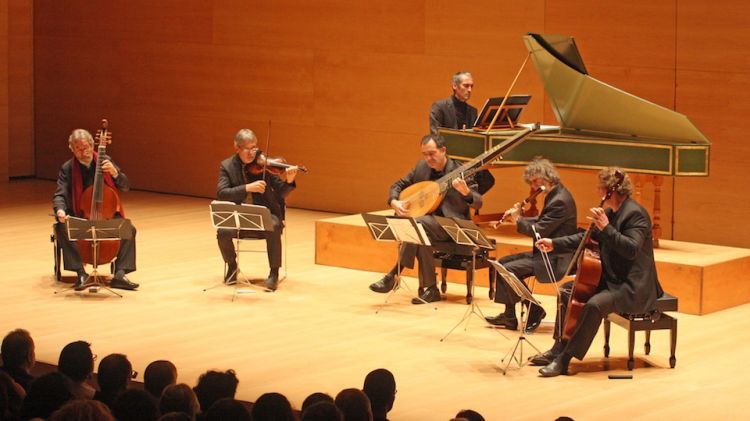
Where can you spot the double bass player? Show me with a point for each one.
(75, 175)
(628, 282)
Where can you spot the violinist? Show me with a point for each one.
(74, 177)
(458, 199)
(242, 177)
(628, 281)
(557, 219)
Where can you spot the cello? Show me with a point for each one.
(99, 202)
(589, 270)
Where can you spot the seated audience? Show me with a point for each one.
(158, 375)
(214, 385)
(135, 405)
(272, 407)
(77, 363)
(315, 398)
(380, 387)
(11, 397)
(18, 357)
(46, 395)
(470, 415)
(176, 416)
(179, 398)
(82, 410)
(354, 404)
(322, 411)
(115, 372)
(228, 409)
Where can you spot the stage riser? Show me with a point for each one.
(701, 289)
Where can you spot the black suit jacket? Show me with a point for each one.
(557, 219)
(443, 114)
(454, 204)
(63, 197)
(627, 256)
(231, 187)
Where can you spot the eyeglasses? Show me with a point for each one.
(252, 150)
(133, 374)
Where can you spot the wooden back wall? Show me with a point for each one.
(348, 86)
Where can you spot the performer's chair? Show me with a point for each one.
(250, 242)
(656, 320)
(57, 256)
(459, 257)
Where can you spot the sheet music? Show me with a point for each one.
(408, 231)
(513, 282)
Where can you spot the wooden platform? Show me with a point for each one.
(319, 331)
(706, 278)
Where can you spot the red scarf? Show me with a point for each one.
(78, 186)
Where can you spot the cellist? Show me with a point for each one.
(628, 281)
(75, 175)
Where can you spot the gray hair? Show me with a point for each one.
(607, 179)
(80, 134)
(243, 136)
(457, 77)
(543, 168)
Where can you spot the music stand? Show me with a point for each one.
(466, 233)
(401, 230)
(243, 217)
(499, 113)
(95, 232)
(520, 289)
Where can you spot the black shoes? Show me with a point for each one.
(536, 315)
(123, 283)
(384, 285)
(81, 279)
(272, 282)
(545, 358)
(557, 367)
(430, 295)
(230, 278)
(501, 320)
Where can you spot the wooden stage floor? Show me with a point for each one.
(319, 331)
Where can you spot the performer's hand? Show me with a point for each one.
(61, 216)
(599, 218)
(460, 185)
(110, 168)
(256, 187)
(291, 173)
(401, 207)
(514, 211)
(545, 245)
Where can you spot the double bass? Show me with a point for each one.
(589, 270)
(99, 202)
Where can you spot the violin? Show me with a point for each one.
(526, 201)
(589, 270)
(276, 166)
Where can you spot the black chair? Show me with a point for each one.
(459, 257)
(655, 320)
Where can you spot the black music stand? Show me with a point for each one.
(401, 230)
(520, 289)
(465, 233)
(95, 232)
(243, 217)
(499, 113)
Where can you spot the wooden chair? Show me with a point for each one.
(656, 320)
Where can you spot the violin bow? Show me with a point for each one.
(268, 144)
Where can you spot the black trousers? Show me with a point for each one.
(438, 237)
(594, 311)
(72, 259)
(273, 243)
(519, 264)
